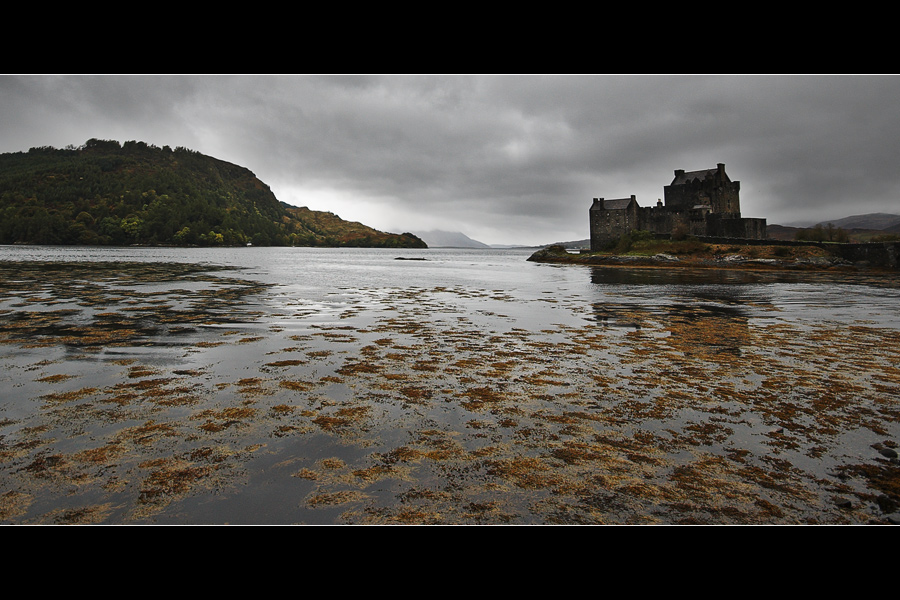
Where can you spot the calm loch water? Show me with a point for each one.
(345, 386)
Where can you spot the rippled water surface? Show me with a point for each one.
(320, 386)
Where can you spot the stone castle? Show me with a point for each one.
(698, 203)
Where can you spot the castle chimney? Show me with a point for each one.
(721, 167)
(679, 172)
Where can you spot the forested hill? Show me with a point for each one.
(107, 193)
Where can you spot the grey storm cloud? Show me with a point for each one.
(507, 158)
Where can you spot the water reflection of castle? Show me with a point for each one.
(708, 317)
(699, 203)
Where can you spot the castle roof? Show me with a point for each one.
(687, 176)
(615, 203)
(683, 177)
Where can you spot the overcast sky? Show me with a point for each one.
(503, 159)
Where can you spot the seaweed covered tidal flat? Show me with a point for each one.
(291, 386)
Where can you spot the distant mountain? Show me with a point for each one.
(437, 238)
(857, 228)
(107, 193)
(575, 245)
(782, 232)
(876, 221)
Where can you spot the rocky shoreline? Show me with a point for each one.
(713, 256)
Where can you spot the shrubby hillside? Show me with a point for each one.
(107, 193)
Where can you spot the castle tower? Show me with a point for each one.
(707, 188)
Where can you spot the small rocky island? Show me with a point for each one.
(694, 253)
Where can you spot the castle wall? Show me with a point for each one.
(608, 225)
(731, 227)
(682, 196)
(884, 254)
(604, 229)
(662, 220)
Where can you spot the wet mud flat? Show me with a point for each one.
(151, 393)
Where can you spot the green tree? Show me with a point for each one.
(133, 227)
(184, 236)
